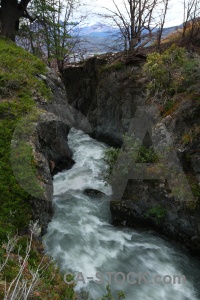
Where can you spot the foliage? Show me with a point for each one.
(19, 81)
(10, 14)
(133, 151)
(187, 36)
(110, 158)
(21, 84)
(191, 135)
(164, 70)
(195, 188)
(51, 36)
(191, 73)
(118, 65)
(157, 212)
(147, 155)
(172, 72)
(28, 274)
(109, 296)
(172, 38)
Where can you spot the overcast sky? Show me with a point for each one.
(174, 17)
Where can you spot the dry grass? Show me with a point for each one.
(190, 40)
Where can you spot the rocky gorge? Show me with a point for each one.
(103, 99)
(108, 93)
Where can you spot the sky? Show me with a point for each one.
(174, 16)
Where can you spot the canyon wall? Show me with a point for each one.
(108, 93)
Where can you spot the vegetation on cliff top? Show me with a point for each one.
(172, 80)
(173, 72)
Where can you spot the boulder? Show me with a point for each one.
(93, 193)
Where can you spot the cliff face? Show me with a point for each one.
(108, 94)
(108, 97)
(51, 155)
(33, 144)
(51, 151)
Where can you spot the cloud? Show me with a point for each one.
(174, 16)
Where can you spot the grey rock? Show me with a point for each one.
(93, 193)
(109, 100)
(51, 151)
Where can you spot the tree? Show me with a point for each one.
(10, 13)
(57, 29)
(191, 18)
(136, 22)
(51, 35)
(165, 4)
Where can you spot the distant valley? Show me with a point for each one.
(97, 38)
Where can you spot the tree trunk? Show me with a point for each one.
(9, 18)
(60, 64)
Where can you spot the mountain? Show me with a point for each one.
(100, 38)
(97, 29)
(104, 30)
(168, 30)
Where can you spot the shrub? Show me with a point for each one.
(157, 212)
(191, 135)
(118, 65)
(191, 37)
(27, 274)
(195, 188)
(170, 73)
(110, 158)
(147, 155)
(191, 74)
(109, 296)
(164, 71)
(133, 151)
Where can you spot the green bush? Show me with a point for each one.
(169, 73)
(118, 65)
(147, 155)
(132, 152)
(191, 74)
(110, 158)
(109, 296)
(164, 70)
(157, 212)
(194, 185)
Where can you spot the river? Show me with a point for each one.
(81, 238)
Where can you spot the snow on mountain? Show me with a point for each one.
(96, 29)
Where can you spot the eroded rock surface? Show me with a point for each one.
(109, 97)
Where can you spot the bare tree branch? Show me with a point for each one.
(136, 18)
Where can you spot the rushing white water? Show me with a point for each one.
(81, 238)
